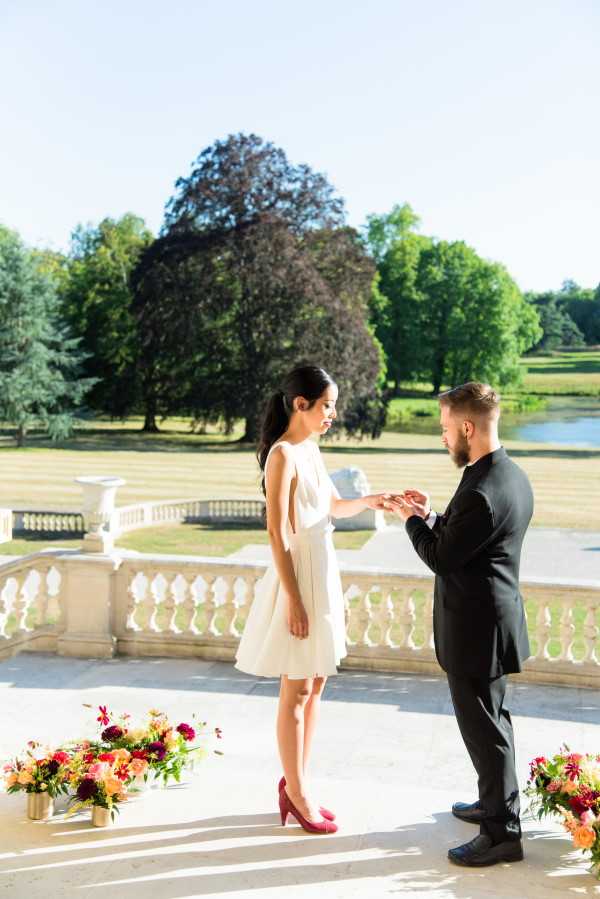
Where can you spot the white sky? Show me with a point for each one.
(483, 116)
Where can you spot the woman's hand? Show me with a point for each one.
(376, 500)
(297, 619)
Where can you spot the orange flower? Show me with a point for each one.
(569, 786)
(112, 785)
(25, 777)
(584, 837)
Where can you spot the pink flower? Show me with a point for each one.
(188, 733)
(97, 770)
(138, 767)
(588, 818)
(554, 786)
(103, 716)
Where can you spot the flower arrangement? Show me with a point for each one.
(39, 770)
(568, 785)
(102, 772)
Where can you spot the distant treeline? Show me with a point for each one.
(255, 270)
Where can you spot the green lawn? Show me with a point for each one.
(568, 373)
(181, 539)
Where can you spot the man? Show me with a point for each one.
(480, 629)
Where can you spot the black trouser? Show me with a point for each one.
(487, 731)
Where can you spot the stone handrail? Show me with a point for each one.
(205, 511)
(154, 605)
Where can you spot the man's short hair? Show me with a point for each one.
(472, 398)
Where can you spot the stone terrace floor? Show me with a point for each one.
(388, 759)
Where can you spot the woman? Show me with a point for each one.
(295, 628)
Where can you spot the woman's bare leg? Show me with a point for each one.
(311, 717)
(293, 697)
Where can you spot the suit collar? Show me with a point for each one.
(485, 462)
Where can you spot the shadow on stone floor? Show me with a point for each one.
(411, 860)
(408, 692)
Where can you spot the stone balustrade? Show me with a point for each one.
(137, 515)
(26, 521)
(6, 518)
(148, 605)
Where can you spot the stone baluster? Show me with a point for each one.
(567, 630)
(133, 603)
(228, 609)
(405, 616)
(170, 606)
(210, 604)
(39, 605)
(352, 610)
(151, 602)
(429, 639)
(385, 618)
(188, 608)
(365, 618)
(21, 605)
(591, 635)
(543, 626)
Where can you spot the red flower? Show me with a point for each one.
(106, 757)
(103, 716)
(122, 772)
(139, 754)
(187, 732)
(89, 757)
(112, 733)
(585, 800)
(63, 758)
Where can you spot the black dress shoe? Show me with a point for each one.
(472, 813)
(481, 852)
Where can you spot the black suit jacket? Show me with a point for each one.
(475, 550)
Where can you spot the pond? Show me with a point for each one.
(570, 421)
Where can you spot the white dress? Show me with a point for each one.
(267, 648)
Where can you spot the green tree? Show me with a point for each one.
(254, 272)
(39, 361)
(94, 285)
(477, 323)
(397, 305)
(558, 328)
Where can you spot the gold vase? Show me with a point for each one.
(100, 816)
(40, 806)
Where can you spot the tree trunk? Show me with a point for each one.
(21, 432)
(251, 430)
(150, 426)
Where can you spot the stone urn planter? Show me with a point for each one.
(99, 492)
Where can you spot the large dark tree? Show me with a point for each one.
(254, 271)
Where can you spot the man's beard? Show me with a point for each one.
(460, 454)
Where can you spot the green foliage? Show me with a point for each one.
(39, 360)
(476, 321)
(254, 272)
(396, 303)
(93, 283)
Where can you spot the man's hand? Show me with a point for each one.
(400, 507)
(419, 501)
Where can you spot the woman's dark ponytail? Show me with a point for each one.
(274, 424)
(308, 381)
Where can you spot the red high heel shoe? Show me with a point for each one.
(329, 816)
(287, 808)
